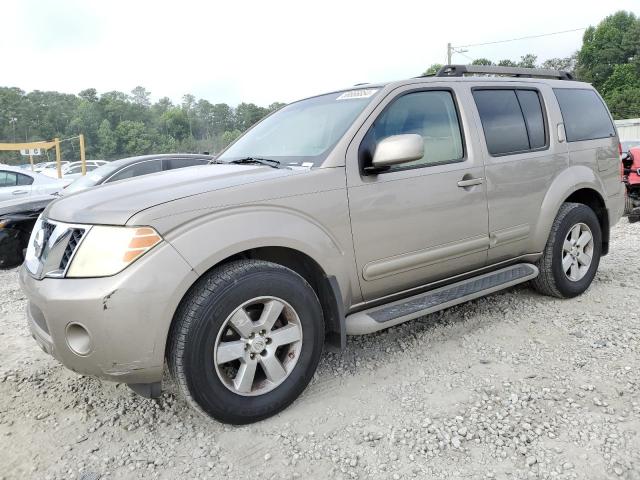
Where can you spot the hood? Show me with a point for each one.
(25, 205)
(115, 203)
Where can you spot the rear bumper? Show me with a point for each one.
(615, 206)
(126, 316)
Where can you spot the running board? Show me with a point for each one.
(385, 316)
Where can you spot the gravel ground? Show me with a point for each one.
(512, 386)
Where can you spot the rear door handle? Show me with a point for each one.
(19, 192)
(471, 182)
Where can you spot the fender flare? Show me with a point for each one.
(572, 179)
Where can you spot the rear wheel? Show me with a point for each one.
(572, 254)
(628, 204)
(246, 341)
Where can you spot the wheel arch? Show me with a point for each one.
(577, 184)
(326, 287)
(592, 199)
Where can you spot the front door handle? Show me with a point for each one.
(19, 192)
(470, 182)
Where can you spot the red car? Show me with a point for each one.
(631, 177)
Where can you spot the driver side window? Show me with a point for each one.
(432, 115)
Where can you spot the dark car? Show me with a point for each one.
(16, 222)
(18, 217)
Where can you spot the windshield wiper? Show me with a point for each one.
(269, 162)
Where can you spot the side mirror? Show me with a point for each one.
(397, 149)
(627, 160)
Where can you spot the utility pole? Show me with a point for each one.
(449, 53)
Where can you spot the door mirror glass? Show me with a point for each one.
(398, 149)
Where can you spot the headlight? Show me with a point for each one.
(106, 251)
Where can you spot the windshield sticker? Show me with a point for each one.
(351, 94)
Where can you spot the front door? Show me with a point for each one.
(14, 185)
(425, 220)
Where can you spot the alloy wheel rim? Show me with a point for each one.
(577, 252)
(258, 346)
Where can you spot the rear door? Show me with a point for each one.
(522, 157)
(416, 223)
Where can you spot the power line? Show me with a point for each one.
(520, 38)
(460, 52)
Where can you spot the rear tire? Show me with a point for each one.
(628, 205)
(570, 260)
(246, 341)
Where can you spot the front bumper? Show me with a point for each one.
(127, 316)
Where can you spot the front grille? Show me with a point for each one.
(48, 230)
(61, 240)
(74, 240)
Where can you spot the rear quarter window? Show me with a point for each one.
(173, 163)
(584, 114)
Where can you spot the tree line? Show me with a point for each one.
(118, 124)
(609, 59)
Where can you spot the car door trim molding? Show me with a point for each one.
(508, 235)
(423, 258)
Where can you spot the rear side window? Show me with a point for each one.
(585, 116)
(173, 163)
(534, 121)
(144, 168)
(512, 120)
(24, 179)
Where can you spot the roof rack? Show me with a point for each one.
(461, 70)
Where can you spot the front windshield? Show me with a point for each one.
(304, 132)
(90, 179)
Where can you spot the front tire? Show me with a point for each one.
(572, 254)
(246, 341)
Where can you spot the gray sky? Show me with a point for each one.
(257, 51)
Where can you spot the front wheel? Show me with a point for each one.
(246, 340)
(572, 254)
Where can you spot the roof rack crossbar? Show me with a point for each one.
(461, 70)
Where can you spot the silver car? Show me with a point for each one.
(344, 213)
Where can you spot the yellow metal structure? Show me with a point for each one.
(82, 160)
(55, 143)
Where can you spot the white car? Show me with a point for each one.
(74, 169)
(49, 169)
(16, 182)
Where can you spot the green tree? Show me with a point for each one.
(482, 61)
(615, 41)
(433, 69)
(176, 123)
(275, 106)
(107, 143)
(507, 63)
(528, 61)
(140, 96)
(89, 94)
(132, 138)
(229, 136)
(621, 91)
(247, 114)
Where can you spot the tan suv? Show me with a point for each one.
(344, 213)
